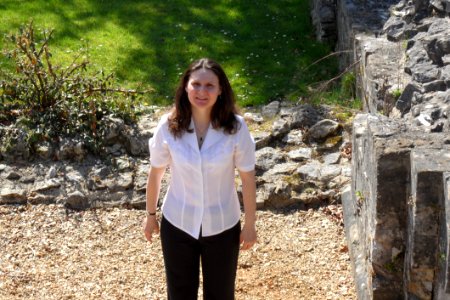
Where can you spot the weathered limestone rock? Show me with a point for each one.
(300, 154)
(266, 159)
(137, 143)
(311, 170)
(328, 172)
(74, 178)
(44, 150)
(262, 139)
(46, 185)
(381, 65)
(294, 137)
(305, 116)
(38, 198)
(253, 117)
(332, 158)
(13, 144)
(77, 200)
(12, 194)
(70, 149)
(363, 214)
(405, 100)
(442, 285)
(140, 181)
(280, 128)
(13, 176)
(357, 17)
(395, 29)
(441, 5)
(426, 211)
(136, 146)
(321, 130)
(120, 182)
(287, 168)
(114, 128)
(271, 110)
(392, 210)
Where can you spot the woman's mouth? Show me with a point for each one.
(202, 100)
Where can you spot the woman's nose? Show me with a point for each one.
(202, 88)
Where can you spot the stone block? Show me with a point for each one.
(378, 205)
(395, 210)
(442, 280)
(381, 62)
(427, 242)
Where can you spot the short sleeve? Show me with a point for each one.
(159, 151)
(245, 149)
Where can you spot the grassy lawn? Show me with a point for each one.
(264, 46)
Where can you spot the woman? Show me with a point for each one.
(203, 140)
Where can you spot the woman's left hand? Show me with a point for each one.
(248, 236)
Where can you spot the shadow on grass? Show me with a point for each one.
(263, 45)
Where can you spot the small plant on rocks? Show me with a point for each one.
(52, 101)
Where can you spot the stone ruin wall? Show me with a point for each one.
(397, 208)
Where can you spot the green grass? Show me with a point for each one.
(264, 46)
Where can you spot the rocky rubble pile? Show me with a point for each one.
(423, 27)
(302, 157)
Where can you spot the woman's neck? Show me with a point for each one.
(201, 123)
(201, 118)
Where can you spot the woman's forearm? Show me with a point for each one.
(153, 187)
(249, 196)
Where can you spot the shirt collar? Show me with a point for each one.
(212, 137)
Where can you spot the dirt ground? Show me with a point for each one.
(50, 253)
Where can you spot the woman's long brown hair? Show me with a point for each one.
(223, 113)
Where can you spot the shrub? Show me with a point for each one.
(54, 101)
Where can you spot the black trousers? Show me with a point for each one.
(182, 254)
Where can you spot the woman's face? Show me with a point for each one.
(202, 89)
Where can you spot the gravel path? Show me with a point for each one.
(50, 253)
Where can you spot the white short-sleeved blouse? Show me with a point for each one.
(202, 192)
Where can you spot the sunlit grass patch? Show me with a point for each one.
(266, 47)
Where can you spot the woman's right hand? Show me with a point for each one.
(150, 226)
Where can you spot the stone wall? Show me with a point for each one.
(396, 208)
(301, 158)
(356, 17)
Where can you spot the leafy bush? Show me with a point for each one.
(54, 101)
